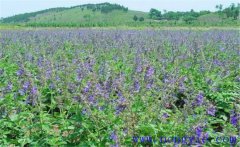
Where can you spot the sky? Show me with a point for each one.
(13, 7)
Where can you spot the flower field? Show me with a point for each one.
(102, 87)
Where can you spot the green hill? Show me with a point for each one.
(89, 13)
(106, 14)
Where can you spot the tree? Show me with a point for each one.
(189, 19)
(141, 19)
(232, 11)
(135, 18)
(219, 7)
(155, 14)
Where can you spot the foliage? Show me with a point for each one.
(141, 18)
(106, 14)
(135, 18)
(155, 14)
(101, 87)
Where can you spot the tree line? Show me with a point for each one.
(231, 11)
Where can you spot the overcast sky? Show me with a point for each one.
(13, 7)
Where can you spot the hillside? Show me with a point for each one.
(94, 13)
(106, 14)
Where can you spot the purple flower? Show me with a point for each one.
(20, 72)
(165, 115)
(182, 87)
(198, 131)
(40, 62)
(138, 69)
(34, 90)
(26, 85)
(91, 99)
(21, 92)
(234, 118)
(217, 62)
(51, 86)
(114, 136)
(9, 86)
(84, 111)
(199, 99)
(98, 87)
(79, 75)
(211, 110)
(115, 145)
(48, 73)
(150, 71)
(87, 87)
(58, 78)
(150, 84)
(120, 108)
(136, 86)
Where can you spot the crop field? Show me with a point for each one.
(125, 87)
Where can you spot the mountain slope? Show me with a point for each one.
(89, 13)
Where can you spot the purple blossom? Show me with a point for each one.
(120, 108)
(48, 73)
(211, 110)
(115, 145)
(87, 87)
(139, 69)
(136, 86)
(165, 115)
(52, 85)
(199, 99)
(40, 62)
(20, 72)
(182, 87)
(217, 62)
(9, 86)
(150, 71)
(21, 92)
(113, 136)
(198, 131)
(91, 99)
(150, 84)
(84, 111)
(34, 90)
(26, 85)
(234, 118)
(79, 75)
(58, 78)
(98, 87)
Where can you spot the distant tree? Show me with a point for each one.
(232, 11)
(125, 9)
(172, 15)
(219, 7)
(141, 19)
(155, 14)
(204, 12)
(189, 19)
(135, 18)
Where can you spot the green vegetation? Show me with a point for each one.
(103, 87)
(107, 15)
